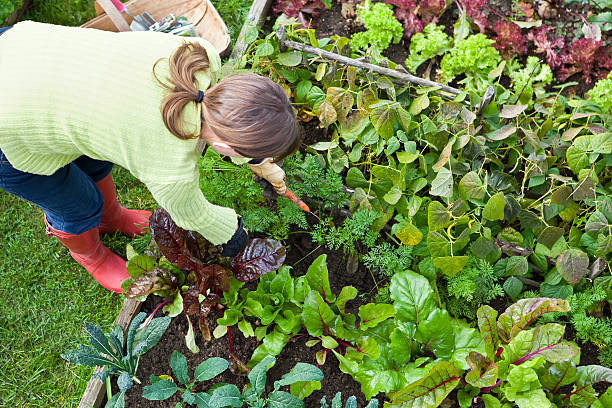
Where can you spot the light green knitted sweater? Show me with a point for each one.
(68, 91)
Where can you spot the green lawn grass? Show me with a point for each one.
(45, 296)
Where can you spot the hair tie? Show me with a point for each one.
(200, 97)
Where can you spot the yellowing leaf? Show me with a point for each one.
(409, 234)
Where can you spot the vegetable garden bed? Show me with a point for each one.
(473, 269)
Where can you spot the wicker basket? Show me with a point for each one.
(201, 13)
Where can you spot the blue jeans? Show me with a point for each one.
(69, 197)
(3, 29)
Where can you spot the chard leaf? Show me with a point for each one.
(413, 297)
(466, 340)
(519, 315)
(346, 294)
(303, 389)
(436, 333)
(547, 342)
(317, 314)
(139, 265)
(483, 372)
(318, 278)
(374, 313)
(259, 257)
(301, 372)
(430, 390)
(591, 375)
(558, 375)
(171, 239)
(487, 324)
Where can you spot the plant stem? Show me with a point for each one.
(109, 393)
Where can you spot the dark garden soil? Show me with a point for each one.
(301, 253)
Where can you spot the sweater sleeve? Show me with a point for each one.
(190, 210)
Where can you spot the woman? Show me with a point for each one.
(76, 101)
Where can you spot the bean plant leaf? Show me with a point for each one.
(471, 186)
(259, 257)
(159, 390)
(430, 390)
(409, 234)
(289, 58)
(519, 315)
(550, 235)
(512, 111)
(502, 133)
(442, 185)
(494, 209)
(572, 265)
(487, 324)
(450, 265)
(483, 372)
(327, 113)
(412, 295)
(438, 216)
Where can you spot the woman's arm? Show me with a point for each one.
(190, 210)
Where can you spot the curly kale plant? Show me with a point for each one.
(382, 27)
(426, 45)
(601, 94)
(474, 57)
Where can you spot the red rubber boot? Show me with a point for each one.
(106, 267)
(117, 218)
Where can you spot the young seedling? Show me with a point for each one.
(228, 395)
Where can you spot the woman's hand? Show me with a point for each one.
(237, 243)
(272, 173)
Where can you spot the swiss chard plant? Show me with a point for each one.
(198, 275)
(530, 367)
(119, 355)
(228, 395)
